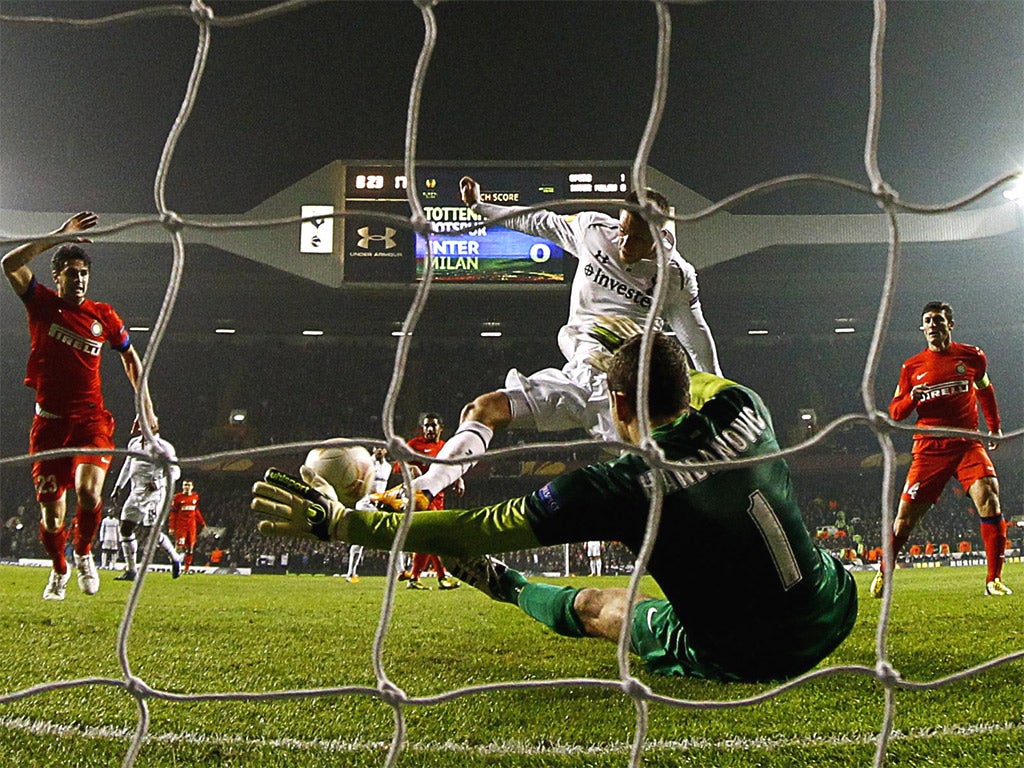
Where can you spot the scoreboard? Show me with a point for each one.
(462, 248)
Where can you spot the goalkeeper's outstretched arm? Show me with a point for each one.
(308, 506)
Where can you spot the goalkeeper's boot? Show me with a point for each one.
(878, 585)
(394, 499)
(88, 579)
(404, 576)
(488, 574)
(416, 584)
(996, 588)
(56, 586)
(448, 583)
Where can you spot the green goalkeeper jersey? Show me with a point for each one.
(732, 553)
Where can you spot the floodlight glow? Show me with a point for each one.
(312, 332)
(224, 331)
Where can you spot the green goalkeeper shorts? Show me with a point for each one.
(659, 639)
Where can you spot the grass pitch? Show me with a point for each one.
(208, 635)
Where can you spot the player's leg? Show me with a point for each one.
(151, 520)
(90, 473)
(188, 550)
(444, 581)
(984, 492)
(355, 556)
(54, 537)
(908, 515)
(419, 562)
(928, 474)
(129, 543)
(552, 606)
(88, 511)
(177, 559)
(602, 611)
(51, 479)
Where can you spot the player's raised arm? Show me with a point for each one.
(470, 189)
(15, 262)
(133, 369)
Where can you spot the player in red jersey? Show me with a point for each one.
(186, 521)
(429, 442)
(945, 383)
(67, 332)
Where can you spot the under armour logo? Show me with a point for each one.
(601, 258)
(387, 240)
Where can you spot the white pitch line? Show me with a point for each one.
(513, 747)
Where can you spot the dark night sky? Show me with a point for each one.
(757, 90)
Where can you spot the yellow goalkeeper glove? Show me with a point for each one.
(298, 506)
(612, 332)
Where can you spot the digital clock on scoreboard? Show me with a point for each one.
(462, 246)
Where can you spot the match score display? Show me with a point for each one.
(462, 247)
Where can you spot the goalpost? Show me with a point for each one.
(173, 226)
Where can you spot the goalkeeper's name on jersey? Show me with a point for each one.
(737, 438)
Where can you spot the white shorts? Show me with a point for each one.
(593, 549)
(142, 509)
(554, 400)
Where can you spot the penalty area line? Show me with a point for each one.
(513, 747)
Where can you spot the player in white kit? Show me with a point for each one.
(145, 501)
(615, 277)
(110, 540)
(381, 473)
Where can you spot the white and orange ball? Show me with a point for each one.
(348, 468)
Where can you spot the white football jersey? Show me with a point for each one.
(109, 533)
(603, 285)
(381, 474)
(147, 478)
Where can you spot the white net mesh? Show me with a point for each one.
(174, 224)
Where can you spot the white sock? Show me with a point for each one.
(470, 439)
(129, 548)
(168, 545)
(355, 557)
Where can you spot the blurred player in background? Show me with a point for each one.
(381, 474)
(145, 501)
(594, 557)
(945, 383)
(110, 540)
(429, 442)
(615, 276)
(67, 332)
(186, 521)
(748, 596)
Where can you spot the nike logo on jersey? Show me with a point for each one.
(920, 376)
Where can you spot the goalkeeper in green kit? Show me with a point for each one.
(748, 596)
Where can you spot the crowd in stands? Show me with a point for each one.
(311, 398)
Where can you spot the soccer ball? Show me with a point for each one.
(348, 468)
